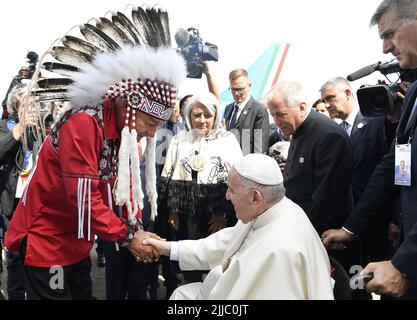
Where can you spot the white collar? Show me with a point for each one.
(352, 116)
(243, 104)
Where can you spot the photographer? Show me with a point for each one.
(24, 73)
(369, 145)
(397, 25)
(18, 163)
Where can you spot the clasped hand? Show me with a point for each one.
(147, 247)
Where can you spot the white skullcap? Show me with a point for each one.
(259, 168)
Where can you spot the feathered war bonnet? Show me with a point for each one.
(148, 79)
(127, 58)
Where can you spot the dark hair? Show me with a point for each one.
(316, 103)
(183, 100)
(403, 10)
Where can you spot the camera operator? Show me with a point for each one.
(24, 73)
(371, 138)
(18, 163)
(397, 26)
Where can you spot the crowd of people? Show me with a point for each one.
(242, 207)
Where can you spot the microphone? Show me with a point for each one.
(182, 37)
(366, 71)
(388, 68)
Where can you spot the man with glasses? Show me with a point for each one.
(246, 117)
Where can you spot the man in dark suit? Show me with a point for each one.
(397, 25)
(246, 117)
(369, 145)
(318, 169)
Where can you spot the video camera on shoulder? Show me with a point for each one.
(190, 45)
(26, 72)
(379, 100)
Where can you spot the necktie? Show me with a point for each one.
(345, 126)
(234, 116)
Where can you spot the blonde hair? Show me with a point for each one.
(233, 75)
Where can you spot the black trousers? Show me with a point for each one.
(59, 283)
(125, 277)
(71, 282)
(15, 276)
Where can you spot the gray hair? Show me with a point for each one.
(209, 101)
(292, 93)
(272, 194)
(338, 82)
(14, 99)
(401, 10)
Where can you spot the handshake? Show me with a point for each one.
(148, 247)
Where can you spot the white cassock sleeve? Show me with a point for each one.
(204, 254)
(273, 272)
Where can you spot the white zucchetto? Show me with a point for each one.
(259, 168)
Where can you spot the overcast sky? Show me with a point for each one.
(328, 37)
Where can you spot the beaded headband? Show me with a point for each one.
(156, 98)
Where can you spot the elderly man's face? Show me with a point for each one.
(287, 118)
(241, 199)
(146, 125)
(399, 39)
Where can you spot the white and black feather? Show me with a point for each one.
(88, 58)
(80, 45)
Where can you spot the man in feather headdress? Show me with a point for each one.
(118, 99)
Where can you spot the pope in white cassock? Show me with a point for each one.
(273, 252)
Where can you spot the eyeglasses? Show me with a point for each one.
(239, 90)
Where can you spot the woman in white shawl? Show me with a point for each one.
(196, 170)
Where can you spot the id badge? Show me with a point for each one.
(403, 165)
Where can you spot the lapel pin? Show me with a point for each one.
(360, 125)
(301, 160)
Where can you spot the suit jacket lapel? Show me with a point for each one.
(359, 118)
(408, 105)
(228, 114)
(356, 131)
(244, 112)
